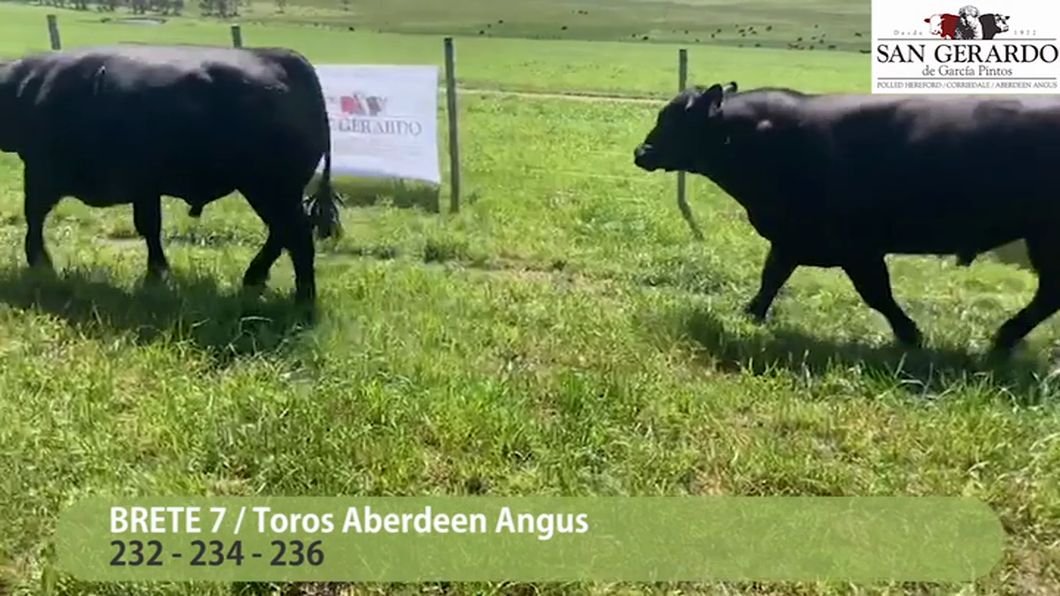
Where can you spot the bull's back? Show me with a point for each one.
(129, 91)
(927, 174)
(930, 146)
(194, 120)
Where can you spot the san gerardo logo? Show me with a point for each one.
(967, 50)
(362, 104)
(967, 24)
(366, 113)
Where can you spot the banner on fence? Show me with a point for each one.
(384, 120)
(957, 46)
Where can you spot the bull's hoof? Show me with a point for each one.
(305, 308)
(42, 270)
(252, 291)
(305, 294)
(910, 338)
(157, 275)
(41, 262)
(255, 277)
(755, 312)
(999, 352)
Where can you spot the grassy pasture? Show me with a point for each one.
(817, 25)
(560, 335)
(769, 23)
(565, 66)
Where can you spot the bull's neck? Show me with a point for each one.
(738, 179)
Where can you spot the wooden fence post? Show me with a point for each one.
(237, 37)
(454, 137)
(53, 32)
(682, 185)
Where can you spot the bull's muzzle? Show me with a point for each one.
(644, 158)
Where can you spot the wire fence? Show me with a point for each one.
(453, 128)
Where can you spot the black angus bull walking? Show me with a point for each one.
(843, 180)
(127, 124)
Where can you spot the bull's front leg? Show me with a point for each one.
(40, 198)
(147, 215)
(873, 282)
(776, 271)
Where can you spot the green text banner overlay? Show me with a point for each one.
(412, 539)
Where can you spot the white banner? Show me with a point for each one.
(384, 120)
(966, 46)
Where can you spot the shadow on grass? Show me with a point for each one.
(931, 370)
(189, 309)
(360, 192)
(1013, 253)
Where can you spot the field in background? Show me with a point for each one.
(768, 23)
(628, 69)
(561, 335)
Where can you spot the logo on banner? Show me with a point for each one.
(967, 24)
(927, 47)
(362, 105)
(366, 113)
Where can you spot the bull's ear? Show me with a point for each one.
(696, 93)
(706, 99)
(710, 100)
(731, 87)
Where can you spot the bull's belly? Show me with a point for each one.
(961, 229)
(102, 188)
(833, 241)
(200, 193)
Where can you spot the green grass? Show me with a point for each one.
(561, 335)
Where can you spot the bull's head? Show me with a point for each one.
(687, 129)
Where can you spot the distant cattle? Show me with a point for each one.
(127, 124)
(842, 180)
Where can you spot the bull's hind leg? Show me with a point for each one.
(775, 273)
(147, 215)
(873, 283)
(289, 228)
(1044, 255)
(258, 271)
(40, 198)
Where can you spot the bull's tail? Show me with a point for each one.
(323, 204)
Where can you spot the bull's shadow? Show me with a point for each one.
(930, 370)
(368, 192)
(1013, 253)
(186, 308)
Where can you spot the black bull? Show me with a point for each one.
(128, 124)
(843, 180)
